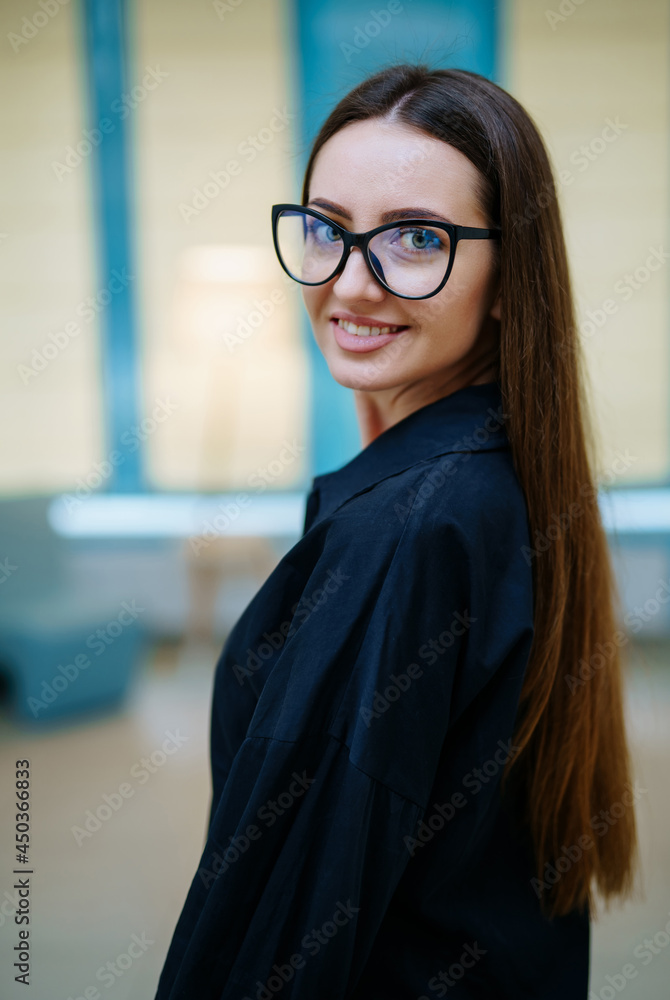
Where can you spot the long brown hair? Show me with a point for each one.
(573, 765)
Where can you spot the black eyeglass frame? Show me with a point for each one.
(362, 241)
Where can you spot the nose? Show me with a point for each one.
(356, 281)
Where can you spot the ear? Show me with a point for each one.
(495, 308)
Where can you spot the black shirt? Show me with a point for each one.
(363, 710)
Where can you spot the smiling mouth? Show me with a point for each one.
(368, 331)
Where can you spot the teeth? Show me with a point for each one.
(365, 331)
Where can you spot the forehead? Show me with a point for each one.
(372, 166)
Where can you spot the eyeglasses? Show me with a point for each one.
(412, 259)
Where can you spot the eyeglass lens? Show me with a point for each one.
(412, 260)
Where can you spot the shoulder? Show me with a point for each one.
(471, 493)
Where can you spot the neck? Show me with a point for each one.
(377, 411)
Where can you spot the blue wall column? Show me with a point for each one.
(337, 43)
(107, 80)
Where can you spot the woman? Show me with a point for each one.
(413, 743)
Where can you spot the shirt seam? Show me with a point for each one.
(415, 465)
(503, 445)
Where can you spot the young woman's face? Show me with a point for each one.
(365, 170)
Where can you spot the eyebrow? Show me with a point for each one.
(395, 215)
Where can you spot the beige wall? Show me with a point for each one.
(238, 375)
(51, 417)
(609, 60)
(234, 402)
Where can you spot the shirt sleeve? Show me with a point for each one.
(309, 837)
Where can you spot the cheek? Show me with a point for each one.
(465, 296)
(458, 311)
(310, 298)
(450, 307)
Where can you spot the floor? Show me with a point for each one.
(120, 883)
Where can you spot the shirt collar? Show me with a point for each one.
(470, 419)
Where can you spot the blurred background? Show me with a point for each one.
(164, 408)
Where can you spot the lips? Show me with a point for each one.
(367, 326)
(365, 341)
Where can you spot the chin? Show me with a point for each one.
(361, 376)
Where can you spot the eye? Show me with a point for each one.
(419, 239)
(323, 233)
(330, 234)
